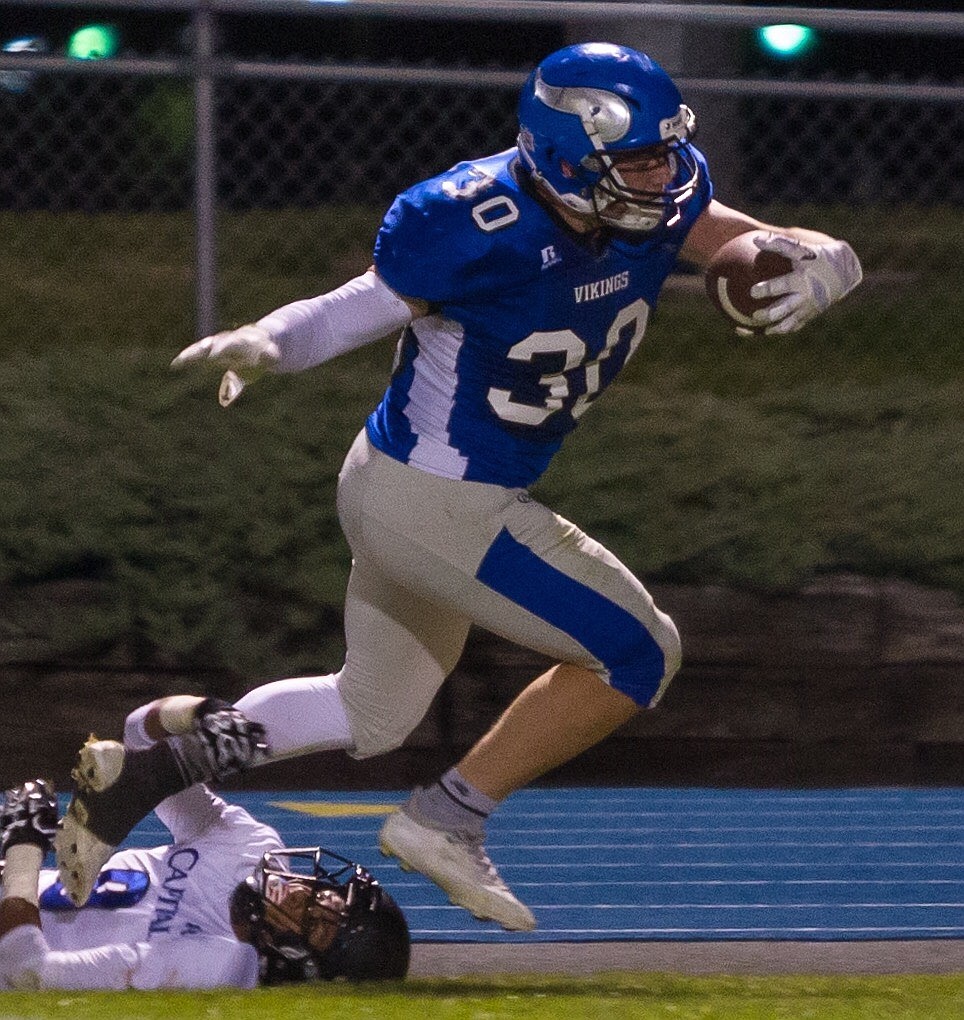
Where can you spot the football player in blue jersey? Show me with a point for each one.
(521, 283)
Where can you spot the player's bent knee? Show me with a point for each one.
(374, 736)
(647, 662)
(370, 743)
(672, 650)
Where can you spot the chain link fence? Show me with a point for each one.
(118, 143)
(99, 159)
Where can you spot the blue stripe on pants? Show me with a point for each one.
(614, 636)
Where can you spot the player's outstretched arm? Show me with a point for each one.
(302, 334)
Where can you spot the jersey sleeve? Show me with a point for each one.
(27, 963)
(413, 250)
(23, 951)
(190, 812)
(197, 813)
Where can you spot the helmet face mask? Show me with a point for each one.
(589, 109)
(311, 913)
(621, 205)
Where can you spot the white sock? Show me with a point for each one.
(300, 715)
(21, 872)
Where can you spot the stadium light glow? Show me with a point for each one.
(20, 81)
(786, 40)
(93, 42)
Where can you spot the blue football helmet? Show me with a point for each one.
(586, 109)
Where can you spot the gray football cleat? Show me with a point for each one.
(457, 864)
(118, 786)
(94, 824)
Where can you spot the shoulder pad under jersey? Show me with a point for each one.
(445, 239)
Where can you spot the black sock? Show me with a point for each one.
(147, 778)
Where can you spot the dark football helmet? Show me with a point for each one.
(313, 914)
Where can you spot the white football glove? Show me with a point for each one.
(821, 274)
(246, 352)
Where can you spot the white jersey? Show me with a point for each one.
(158, 918)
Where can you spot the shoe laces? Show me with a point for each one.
(473, 844)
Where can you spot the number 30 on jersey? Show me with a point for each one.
(579, 382)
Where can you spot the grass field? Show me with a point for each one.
(607, 997)
(711, 460)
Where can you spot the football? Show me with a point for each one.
(732, 272)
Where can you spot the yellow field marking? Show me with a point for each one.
(320, 810)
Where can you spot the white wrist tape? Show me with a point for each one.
(315, 330)
(21, 872)
(176, 713)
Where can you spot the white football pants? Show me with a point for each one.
(433, 555)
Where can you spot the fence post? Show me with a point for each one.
(205, 173)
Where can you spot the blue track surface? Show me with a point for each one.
(675, 864)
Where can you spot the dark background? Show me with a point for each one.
(324, 35)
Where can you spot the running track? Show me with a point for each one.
(675, 865)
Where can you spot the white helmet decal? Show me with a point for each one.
(605, 116)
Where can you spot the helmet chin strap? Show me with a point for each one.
(578, 213)
(583, 219)
(633, 219)
(570, 203)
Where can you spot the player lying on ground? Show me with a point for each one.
(521, 282)
(226, 904)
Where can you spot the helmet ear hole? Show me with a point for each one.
(374, 944)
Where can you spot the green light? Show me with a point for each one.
(786, 40)
(93, 42)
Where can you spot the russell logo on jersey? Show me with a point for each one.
(550, 257)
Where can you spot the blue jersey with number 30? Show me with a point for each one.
(529, 323)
